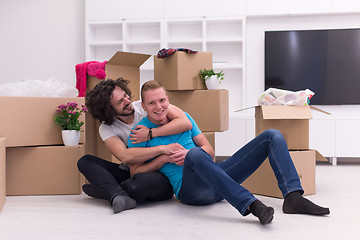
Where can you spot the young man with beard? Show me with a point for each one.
(110, 103)
(200, 181)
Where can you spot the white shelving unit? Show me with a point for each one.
(224, 37)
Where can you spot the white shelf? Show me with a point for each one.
(224, 37)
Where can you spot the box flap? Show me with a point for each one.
(128, 59)
(320, 157)
(286, 112)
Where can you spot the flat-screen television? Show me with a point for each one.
(325, 61)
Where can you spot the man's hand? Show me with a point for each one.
(178, 156)
(139, 134)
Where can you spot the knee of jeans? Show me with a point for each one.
(274, 134)
(194, 155)
(83, 161)
(134, 190)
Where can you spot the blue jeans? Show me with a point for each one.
(206, 182)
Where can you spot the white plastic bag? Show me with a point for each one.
(274, 96)
(38, 88)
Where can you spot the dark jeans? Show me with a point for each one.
(110, 180)
(206, 182)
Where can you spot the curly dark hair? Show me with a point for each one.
(98, 99)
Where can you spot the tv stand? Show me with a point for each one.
(336, 135)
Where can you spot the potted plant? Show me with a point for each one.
(68, 119)
(211, 78)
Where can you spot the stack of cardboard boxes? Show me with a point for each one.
(179, 74)
(37, 162)
(293, 123)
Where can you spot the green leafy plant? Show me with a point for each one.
(206, 74)
(68, 116)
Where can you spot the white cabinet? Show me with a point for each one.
(346, 6)
(228, 142)
(347, 138)
(322, 134)
(96, 10)
(204, 8)
(285, 7)
(224, 37)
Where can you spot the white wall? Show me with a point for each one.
(41, 39)
(255, 36)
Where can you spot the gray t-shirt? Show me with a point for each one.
(121, 129)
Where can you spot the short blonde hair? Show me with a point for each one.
(149, 85)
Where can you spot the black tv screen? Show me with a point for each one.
(325, 61)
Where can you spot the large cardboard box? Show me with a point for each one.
(209, 108)
(43, 170)
(2, 172)
(29, 121)
(292, 121)
(264, 182)
(122, 64)
(180, 71)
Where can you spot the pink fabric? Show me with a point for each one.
(92, 68)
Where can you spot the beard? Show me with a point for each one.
(124, 113)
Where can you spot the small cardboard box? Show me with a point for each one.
(264, 182)
(209, 108)
(29, 121)
(292, 121)
(2, 172)
(122, 64)
(43, 170)
(180, 71)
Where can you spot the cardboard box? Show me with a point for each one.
(292, 121)
(2, 172)
(43, 170)
(264, 182)
(29, 121)
(180, 71)
(210, 136)
(122, 64)
(209, 108)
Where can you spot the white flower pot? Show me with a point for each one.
(70, 137)
(212, 83)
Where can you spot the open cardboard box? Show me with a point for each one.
(122, 64)
(292, 121)
(43, 170)
(29, 121)
(180, 71)
(2, 172)
(264, 182)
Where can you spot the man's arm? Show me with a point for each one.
(136, 155)
(177, 157)
(179, 123)
(151, 166)
(201, 141)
